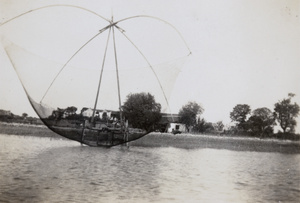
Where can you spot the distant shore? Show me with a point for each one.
(186, 141)
(26, 129)
(190, 141)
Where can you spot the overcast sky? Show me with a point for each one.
(243, 52)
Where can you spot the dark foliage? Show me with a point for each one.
(239, 115)
(188, 113)
(261, 122)
(142, 111)
(202, 126)
(286, 112)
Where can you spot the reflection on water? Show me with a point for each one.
(43, 170)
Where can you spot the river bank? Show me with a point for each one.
(187, 141)
(190, 141)
(27, 129)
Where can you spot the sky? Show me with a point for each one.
(243, 52)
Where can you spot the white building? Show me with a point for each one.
(176, 127)
(87, 113)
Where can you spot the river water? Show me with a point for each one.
(34, 169)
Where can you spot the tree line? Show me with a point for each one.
(142, 111)
(260, 122)
(139, 109)
(8, 117)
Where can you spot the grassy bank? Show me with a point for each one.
(187, 141)
(26, 129)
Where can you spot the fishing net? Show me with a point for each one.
(149, 57)
(70, 70)
(77, 86)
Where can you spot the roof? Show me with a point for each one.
(169, 118)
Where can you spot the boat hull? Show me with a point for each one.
(95, 137)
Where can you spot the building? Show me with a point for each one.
(102, 114)
(87, 113)
(176, 128)
(170, 123)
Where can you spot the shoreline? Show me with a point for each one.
(190, 141)
(185, 141)
(27, 129)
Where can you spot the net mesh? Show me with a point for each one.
(77, 85)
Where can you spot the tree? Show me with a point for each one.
(262, 121)
(58, 114)
(24, 115)
(239, 115)
(286, 112)
(142, 111)
(202, 126)
(70, 110)
(188, 113)
(219, 126)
